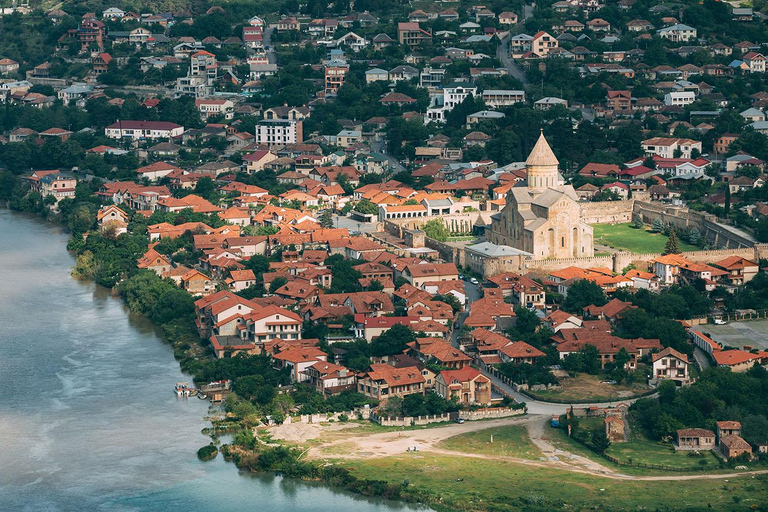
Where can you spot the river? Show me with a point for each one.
(88, 417)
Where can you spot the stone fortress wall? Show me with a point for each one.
(727, 240)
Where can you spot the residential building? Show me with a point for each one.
(542, 43)
(671, 148)
(143, 130)
(695, 439)
(466, 386)
(411, 34)
(669, 364)
(495, 98)
(279, 132)
(335, 73)
(677, 33)
(215, 108)
(382, 381)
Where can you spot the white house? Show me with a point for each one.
(142, 130)
(681, 98)
(677, 33)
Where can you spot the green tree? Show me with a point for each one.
(326, 219)
(436, 229)
(600, 440)
(366, 207)
(672, 246)
(206, 188)
(277, 283)
(394, 341)
(581, 294)
(80, 220)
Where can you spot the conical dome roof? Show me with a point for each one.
(542, 154)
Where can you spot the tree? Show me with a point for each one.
(436, 230)
(451, 300)
(80, 220)
(277, 283)
(672, 246)
(366, 207)
(326, 219)
(206, 188)
(638, 223)
(658, 225)
(394, 341)
(600, 440)
(581, 294)
(727, 206)
(375, 286)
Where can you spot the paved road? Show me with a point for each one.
(701, 358)
(548, 408)
(503, 50)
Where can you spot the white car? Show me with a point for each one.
(720, 322)
(473, 281)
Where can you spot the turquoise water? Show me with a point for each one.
(88, 417)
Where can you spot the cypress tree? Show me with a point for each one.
(672, 246)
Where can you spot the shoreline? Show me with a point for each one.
(337, 482)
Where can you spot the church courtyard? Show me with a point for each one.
(626, 237)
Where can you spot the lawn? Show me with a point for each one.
(628, 238)
(590, 387)
(510, 441)
(466, 483)
(638, 450)
(645, 451)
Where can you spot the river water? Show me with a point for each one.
(88, 417)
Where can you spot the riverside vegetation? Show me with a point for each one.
(110, 261)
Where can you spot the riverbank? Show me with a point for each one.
(90, 420)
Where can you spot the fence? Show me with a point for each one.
(492, 412)
(409, 421)
(618, 462)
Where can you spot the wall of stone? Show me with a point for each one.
(556, 264)
(456, 222)
(491, 412)
(719, 235)
(607, 212)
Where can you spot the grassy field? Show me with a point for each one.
(464, 483)
(644, 451)
(628, 238)
(510, 441)
(590, 387)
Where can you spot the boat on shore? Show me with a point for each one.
(184, 389)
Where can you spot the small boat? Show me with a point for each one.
(202, 396)
(182, 389)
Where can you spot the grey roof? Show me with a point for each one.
(495, 251)
(488, 114)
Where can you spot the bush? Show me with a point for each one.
(208, 452)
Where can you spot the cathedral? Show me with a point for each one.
(544, 217)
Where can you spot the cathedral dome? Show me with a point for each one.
(542, 154)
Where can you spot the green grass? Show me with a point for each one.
(465, 483)
(628, 238)
(589, 387)
(645, 451)
(510, 441)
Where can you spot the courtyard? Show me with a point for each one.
(626, 237)
(753, 333)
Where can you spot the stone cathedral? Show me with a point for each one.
(544, 217)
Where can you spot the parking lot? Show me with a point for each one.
(737, 334)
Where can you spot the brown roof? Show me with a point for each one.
(735, 442)
(395, 376)
(694, 432)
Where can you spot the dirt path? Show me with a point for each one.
(426, 441)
